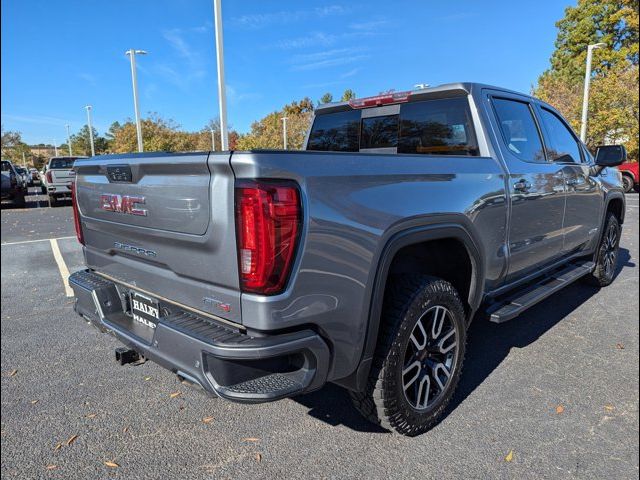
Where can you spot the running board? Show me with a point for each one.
(526, 297)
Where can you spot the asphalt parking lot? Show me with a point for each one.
(551, 394)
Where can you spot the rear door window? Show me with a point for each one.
(336, 132)
(519, 129)
(437, 127)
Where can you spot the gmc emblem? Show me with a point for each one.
(122, 204)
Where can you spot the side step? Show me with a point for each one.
(519, 301)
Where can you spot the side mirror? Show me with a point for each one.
(611, 155)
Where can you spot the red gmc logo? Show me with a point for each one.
(122, 204)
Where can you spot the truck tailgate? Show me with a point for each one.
(163, 223)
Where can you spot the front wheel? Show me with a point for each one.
(607, 254)
(419, 358)
(627, 183)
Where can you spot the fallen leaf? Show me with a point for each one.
(125, 429)
(146, 379)
(12, 373)
(57, 447)
(175, 394)
(509, 456)
(207, 419)
(258, 457)
(111, 464)
(91, 415)
(619, 346)
(559, 409)
(251, 439)
(609, 408)
(33, 402)
(51, 467)
(72, 439)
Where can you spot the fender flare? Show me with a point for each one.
(456, 227)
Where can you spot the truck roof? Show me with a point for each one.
(438, 91)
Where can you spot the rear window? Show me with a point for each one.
(431, 127)
(6, 166)
(337, 132)
(62, 162)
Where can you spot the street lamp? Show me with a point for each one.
(222, 96)
(284, 132)
(134, 80)
(587, 83)
(69, 139)
(55, 146)
(213, 140)
(93, 148)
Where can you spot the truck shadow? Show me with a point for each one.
(488, 345)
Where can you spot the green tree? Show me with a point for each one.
(268, 132)
(348, 95)
(326, 98)
(81, 142)
(613, 106)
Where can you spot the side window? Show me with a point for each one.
(519, 129)
(562, 146)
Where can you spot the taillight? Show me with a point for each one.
(76, 214)
(49, 176)
(268, 218)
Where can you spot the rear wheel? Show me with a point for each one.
(53, 201)
(419, 358)
(607, 255)
(19, 200)
(627, 183)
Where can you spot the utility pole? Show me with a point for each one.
(284, 132)
(69, 139)
(222, 96)
(134, 81)
(93, 148)
(587, 83)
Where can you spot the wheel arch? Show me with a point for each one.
(457, 228)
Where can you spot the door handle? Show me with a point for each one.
(572, 182)
(522, 186)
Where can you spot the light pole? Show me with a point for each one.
(587, 83)
(213, 140)
(69, 139)
(93, 148)
(134, 80)
(55, 146)
(284, 132)
(222, 96)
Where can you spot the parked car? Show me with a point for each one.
(629, 175)
(25, 176)
(35, 176)
(13, 187)
(58, 176)
(361, 261)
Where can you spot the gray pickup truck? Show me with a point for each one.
(361, 261)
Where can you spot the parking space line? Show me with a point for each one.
(62, 267)
(39, 240)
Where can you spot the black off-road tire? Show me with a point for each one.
(384, 401)
(19, 201)
(53, 201)
(606, 257)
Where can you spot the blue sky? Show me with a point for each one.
(58, 56)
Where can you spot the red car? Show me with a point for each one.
(629, 172)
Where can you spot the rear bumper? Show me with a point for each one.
(222, 360)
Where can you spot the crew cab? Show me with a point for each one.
(58, 177)
(360, 261)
